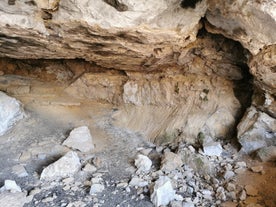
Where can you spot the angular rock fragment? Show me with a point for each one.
(11, 111)
(66, 166)
(11, 186)
(80, 139)
(143, 163)
(20, 171)
(267, 153)
(171, 161)
(135, 181)
(163, 192)
(256, 130)
(212, 148)
(96, 188)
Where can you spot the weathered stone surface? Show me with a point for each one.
(96, 31)
(252, 23)
(170, 162)
(263, 67)
(143, 163)
(80, 139)
(66, 166)
(256, 130)
(11, 111)
(163, 192)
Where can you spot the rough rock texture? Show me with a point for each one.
(11, 111)
(66, 166)
(80, 139)
(163, 192)
(96, 31)
(181, 82)
(252, 23)
(256, 130)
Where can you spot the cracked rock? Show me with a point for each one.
(66, 166)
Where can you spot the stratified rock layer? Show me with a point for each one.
(156, 57)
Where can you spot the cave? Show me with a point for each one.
(126, 103)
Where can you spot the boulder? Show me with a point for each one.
(80, 139)
(11, 111)
(143, 163)
(256, 130)
(66, 166)
(163, 192)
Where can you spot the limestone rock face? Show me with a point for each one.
(252, 23)
(143, 35)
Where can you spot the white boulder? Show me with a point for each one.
(143, 163)
(163, 192)
(66, 166)
(80, 139)
(11, 111)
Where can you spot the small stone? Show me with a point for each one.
(2, 73)
(188, 204)
(250, 190)
(231, 187)
(212, 148)
(20, 171)
(89, 168)
(176, 204)
(220, 194)
(80, 139)
(122, 185)
(163, 192)
(68, 180)
(138, 182)
(143, 163)
(240, 164)
(25, 156)
(257, 169)
(66, 166)
(96, 188)
(11, 186)
(171, 161)
(228, 175)
(243, 195)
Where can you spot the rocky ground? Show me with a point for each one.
(121, 168)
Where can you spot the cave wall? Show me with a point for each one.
(155, 59)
